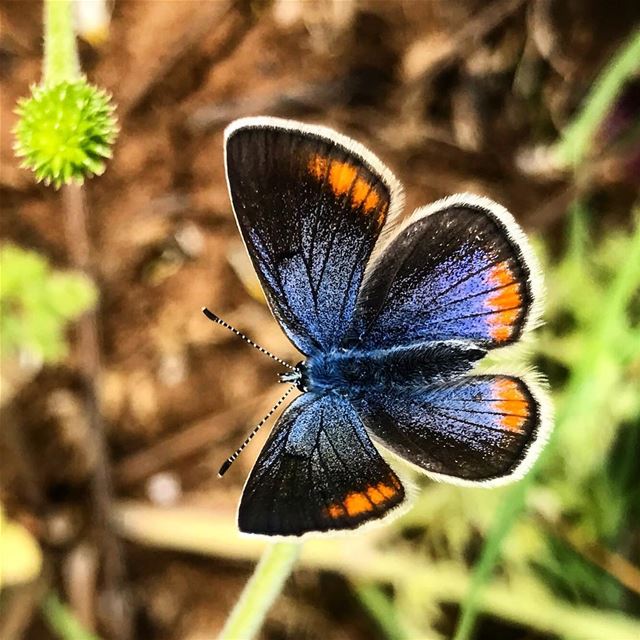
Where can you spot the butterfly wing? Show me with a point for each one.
(310, 205)
(317, 472)
(476, 429)
(460, 269)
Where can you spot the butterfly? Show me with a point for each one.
(391, 324)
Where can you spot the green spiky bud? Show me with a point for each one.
(65, 131)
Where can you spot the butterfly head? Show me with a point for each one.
(297, 376)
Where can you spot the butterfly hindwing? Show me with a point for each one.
(474, 429)
(460, 269)
(310, 205)
(317, 472)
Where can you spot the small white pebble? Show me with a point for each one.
(164, 489)
(190, 240)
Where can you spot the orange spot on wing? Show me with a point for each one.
(512, 423)
(382, 493)
(356, 503)
(318, 167)
(343, 178)
(372, 201)
(359, 502)
(502, 324)
(511, 402)
(505, 298)
(501, 275)
(375, 496)
(389, 490)
(335, 511)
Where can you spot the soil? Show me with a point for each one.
(451, 96)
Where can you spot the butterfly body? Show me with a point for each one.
(391, 328)
(352, 371)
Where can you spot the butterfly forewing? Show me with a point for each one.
(310, 209)
(461, 270)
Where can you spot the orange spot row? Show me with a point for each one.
(343, 178)
(506, 300)
(358, 502)
(512, 403)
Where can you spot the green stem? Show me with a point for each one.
(261, 591)
(577, 137)
(60, 50)
(62, 621)
(382, 610)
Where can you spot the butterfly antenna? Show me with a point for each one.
(214, 318)
(233, 457)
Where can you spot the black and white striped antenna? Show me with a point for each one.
(233, 457)
(214, 318)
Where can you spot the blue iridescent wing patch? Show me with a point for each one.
(475, 429)
(317, 472)
(310, 208)
(457, 270)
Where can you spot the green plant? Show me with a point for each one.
(261, 591)
(62, 621)
(67, 126)
(64, 134)
(36, 304)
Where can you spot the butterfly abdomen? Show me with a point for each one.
(418, 365)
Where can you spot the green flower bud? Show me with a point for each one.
(65, 131)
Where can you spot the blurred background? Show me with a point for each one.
(119, 400)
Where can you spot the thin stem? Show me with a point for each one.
(261, 591)
(61, 620)
(577, 137)
(88, 345)
(60, 51)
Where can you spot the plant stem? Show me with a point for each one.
(60, 52)
(577, 137)
(62, 621)
(61, 64)
(88, 346)
(261, 591)
(382, 610)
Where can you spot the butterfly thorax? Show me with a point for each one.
(297, 376)
(354, 371)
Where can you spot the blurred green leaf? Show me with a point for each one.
(37, 302)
